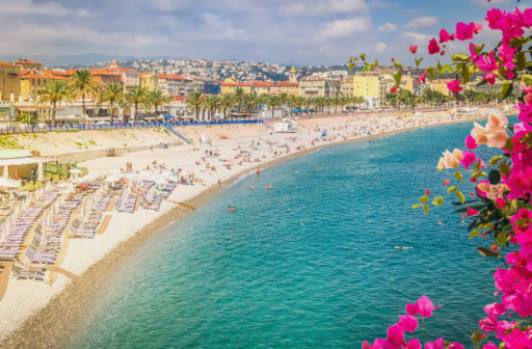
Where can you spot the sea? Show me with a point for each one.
(325, 259)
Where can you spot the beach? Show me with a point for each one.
(40, 314)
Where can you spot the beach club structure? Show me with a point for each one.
(21, 164)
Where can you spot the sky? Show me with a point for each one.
(276, 31)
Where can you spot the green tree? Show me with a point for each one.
(195, 102)
(212, 102)
(55, 91)
(226, 103)
(110, 94)
(83, 84)
(136, 97)
(156, 99)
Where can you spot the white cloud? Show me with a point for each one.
(220, 26)
(321, 7)
(417, 38)
(344, 27)
(422, 22)
(387, 27)
(28, 7)
(380, 47)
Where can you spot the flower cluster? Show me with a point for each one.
(500, 209)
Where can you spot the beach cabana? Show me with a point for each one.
(16, 164)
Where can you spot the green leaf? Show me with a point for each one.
(494, 160)
(486, 252)
(527, 79)
(437, 201)
(431, 72)
(426, 210)
(458, 175)
(424, 199)
(418, 61)
(520, 60)
(397, 77)
(363, 57)
(460, 196)
(414, 206)
(460, 57)
(506, 90)
(473, 234)
(452, 189)
(518, 42)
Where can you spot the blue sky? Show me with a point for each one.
(279, 31)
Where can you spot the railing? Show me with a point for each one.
(120, 125)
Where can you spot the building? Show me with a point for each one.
(439, 85)
(211, 87)
(26, 64)
(316, 86)
(148, 81)
(347, 86)
(129, 77)
(174, 85)
(106, 76)
(33, 81)
(259, 87)
(9, 81)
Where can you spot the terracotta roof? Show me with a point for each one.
(42, 74)
(171, 77)
(259, 83)
(104, 72)
(6, 64)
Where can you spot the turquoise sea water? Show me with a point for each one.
(310, 264)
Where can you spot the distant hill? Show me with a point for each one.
(68, 61)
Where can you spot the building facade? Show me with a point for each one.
(316, 86)
(9, 81)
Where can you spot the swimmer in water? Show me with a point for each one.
(231, 209)
(268, 186)
(252, 188)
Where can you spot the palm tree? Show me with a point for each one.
(110, 93)
(83, 84)
(212, 102)
(194, 101)
(273, 102)
(239, 98)
(157, 99)
(55, 91)
(136, 96)
(226, 102)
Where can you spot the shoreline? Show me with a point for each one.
(58, 322)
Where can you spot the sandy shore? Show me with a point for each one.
(38, 315)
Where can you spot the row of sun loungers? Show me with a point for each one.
(86, 227)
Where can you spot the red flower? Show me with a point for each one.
(444, 36)
(465, 31)
(454, 86)
(413, 49)
(393, 90)
(433, 47)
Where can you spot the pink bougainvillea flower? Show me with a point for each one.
(393, 90)
(446, 182)
(433, 47)
(444, 36)
(471, 212)
(465, 31)
(423, 307)
(490, 78)
(427, 191)
(468, 158)
(487, 63)
(437, 344)
(395, 336)
(454, 86)
(472, 51)
(490, 345)
(408, 323)
(493, 17)
(442, 53)
(470, 142)
(423, 78)
(500, 203)
(413, 49)
(413, 344)
(478, 28)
